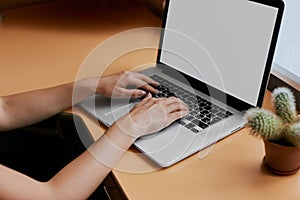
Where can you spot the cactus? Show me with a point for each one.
(264, 123)
(293, 134)
(283, 127)
(284, 104)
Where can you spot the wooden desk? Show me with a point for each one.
(230, 169)
(45, 45)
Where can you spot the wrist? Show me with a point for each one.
(111, 146)
(84, 88)
(90, 85)
(130, 127)
(122, 133)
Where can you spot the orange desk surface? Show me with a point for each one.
(45, 45)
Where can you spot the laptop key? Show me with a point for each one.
(208, 107)
(190, 125)
(215, 120)
(221, 114)
(205, 120)
(204, 112)
(200, 116)
(214, 110)
(215, 107)
(182, 123)
(229, 113)
(211, 115)
(195, 130)
(193, 113)
(202, 104)
(222, 109)
(200, 124)
(189, 117)
(209, 103)
(172, 95)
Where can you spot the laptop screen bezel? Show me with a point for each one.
(218, 94)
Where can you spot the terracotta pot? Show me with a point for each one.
(280, 159)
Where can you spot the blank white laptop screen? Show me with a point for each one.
(233, 41)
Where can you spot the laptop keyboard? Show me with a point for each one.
(203, 113)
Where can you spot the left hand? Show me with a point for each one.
(151, 115)
(114, 85)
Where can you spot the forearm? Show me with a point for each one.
(30, 107)
(78, 179)
(91, 168)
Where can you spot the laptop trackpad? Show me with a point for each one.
(119, 108)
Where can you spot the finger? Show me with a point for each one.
(148, 96)
(141, 81)
(176, 115)
(144, 85)
(131, 93)
(175, 106)
(146, 100)
(132, 77)
(171, 105)
(173, 100)
(147, 79)
(150, 102)
(137, 93)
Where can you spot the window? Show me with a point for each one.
(287, 55)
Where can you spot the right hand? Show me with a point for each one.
(152, 115)
(115, 85)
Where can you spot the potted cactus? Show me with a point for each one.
(280, 132)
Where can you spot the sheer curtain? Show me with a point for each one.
(287, 56)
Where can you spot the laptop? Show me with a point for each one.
(214, 55)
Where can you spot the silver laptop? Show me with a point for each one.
(216, 56)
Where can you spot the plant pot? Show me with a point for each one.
(280, 159)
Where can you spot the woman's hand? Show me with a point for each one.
(115, 86)
(152, 115)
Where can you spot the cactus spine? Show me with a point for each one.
(284, 103)
(282, 127)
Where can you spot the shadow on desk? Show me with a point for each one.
(41, 150)
(36, 151)
(80, 16)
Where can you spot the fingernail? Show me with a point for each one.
(143, 92)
